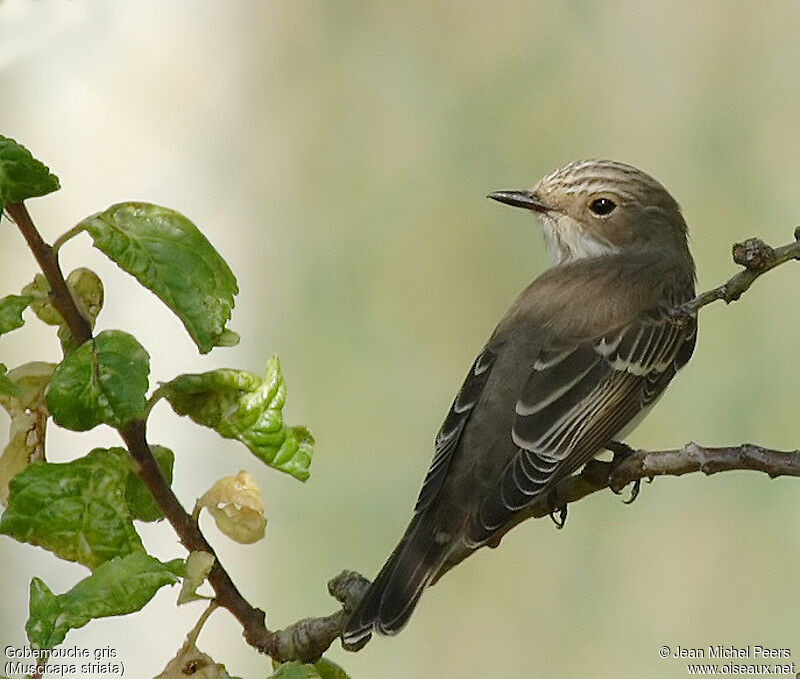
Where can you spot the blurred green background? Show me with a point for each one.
(338, 155)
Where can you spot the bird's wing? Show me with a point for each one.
(450, 433)
(576, 400)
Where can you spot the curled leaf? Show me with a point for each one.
(237, 507)
(240, 405)
(39, 291)
(192, 661)
(28, 412)
(11, 308)
(198, 566)
(87, 291)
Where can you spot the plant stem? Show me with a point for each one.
(48, 261)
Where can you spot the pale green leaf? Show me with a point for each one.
(198, 566)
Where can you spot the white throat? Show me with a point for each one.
(566, 241)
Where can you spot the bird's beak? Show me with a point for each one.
(525, 199)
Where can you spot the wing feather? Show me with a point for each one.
(575, 402)
(449, 435)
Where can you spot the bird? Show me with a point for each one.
(579, 358)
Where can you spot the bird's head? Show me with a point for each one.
(592, 208)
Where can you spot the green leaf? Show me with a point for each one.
(295, 670)
(172, 258)
(329, 670)
(140, 500)
(240, 405)
(21, 175)
(118, 587)
(7, 387)
(11, 308)
(104, 381)
(77, 510)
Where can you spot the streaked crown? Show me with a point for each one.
(592, 208)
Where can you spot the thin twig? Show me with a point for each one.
(757, 258)
(67, 235)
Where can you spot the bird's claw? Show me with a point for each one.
(561, 519)
(635, 488)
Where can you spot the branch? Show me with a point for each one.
(643, 464)
(757, 258)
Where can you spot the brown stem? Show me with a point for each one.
(48, 261)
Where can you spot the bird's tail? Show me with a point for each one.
(393, 595)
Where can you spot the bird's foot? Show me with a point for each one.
(621, 451)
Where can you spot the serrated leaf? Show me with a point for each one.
(198, 566)
(120, 586)
(21, 175)
(77, 510)
(237, 507)
(240, 405)
(140, 500)
(169, 255)
(11, 308)
(104, 381)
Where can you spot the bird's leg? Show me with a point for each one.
(622, 450)
(552, 500)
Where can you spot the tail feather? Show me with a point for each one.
(392, 597)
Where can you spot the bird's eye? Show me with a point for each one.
(602, 206)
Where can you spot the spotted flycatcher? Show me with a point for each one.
(577, 361)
